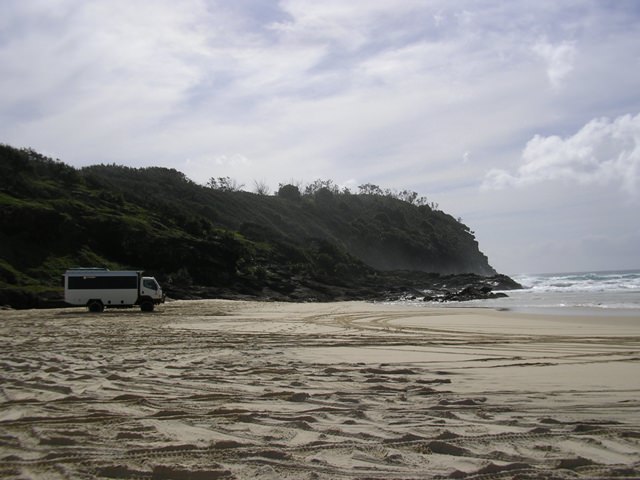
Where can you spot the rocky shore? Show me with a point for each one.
(384, 286)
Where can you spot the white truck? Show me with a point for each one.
(98, 288)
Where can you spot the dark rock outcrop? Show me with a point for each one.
(470, 292)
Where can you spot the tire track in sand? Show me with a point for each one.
(234, 390)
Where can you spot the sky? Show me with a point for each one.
(521, 118)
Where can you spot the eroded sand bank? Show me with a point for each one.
(219, 389)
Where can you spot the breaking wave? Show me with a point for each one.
(610, 281)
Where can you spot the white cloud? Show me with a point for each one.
(559, 60)
(601, 152)
(93, 79)
(347, 25)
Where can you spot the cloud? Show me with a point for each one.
(96, 75)
(311, 89)
(601, 152)
(559, 59)
(347, 26)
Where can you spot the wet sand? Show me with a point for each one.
(221, 389)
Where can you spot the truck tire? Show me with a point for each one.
(95, 306)
(146, 306)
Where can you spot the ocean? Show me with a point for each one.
(609, 293)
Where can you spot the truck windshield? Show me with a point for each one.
(150, 284)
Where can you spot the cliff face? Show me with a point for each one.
(53, 216)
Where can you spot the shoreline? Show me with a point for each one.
(239, 390)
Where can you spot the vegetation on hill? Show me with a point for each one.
(215, 240)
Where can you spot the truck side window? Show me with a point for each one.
(150, 284)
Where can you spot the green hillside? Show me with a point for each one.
(205, 241)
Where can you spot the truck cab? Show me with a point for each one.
(150, 288)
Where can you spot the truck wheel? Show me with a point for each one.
(96, 306)
(146, 306)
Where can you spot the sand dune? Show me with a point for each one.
(220, 389)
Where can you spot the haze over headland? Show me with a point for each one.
(521, 118)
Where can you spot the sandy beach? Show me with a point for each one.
(241, 390)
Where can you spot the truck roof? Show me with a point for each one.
(85, 269)
(100, 271)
